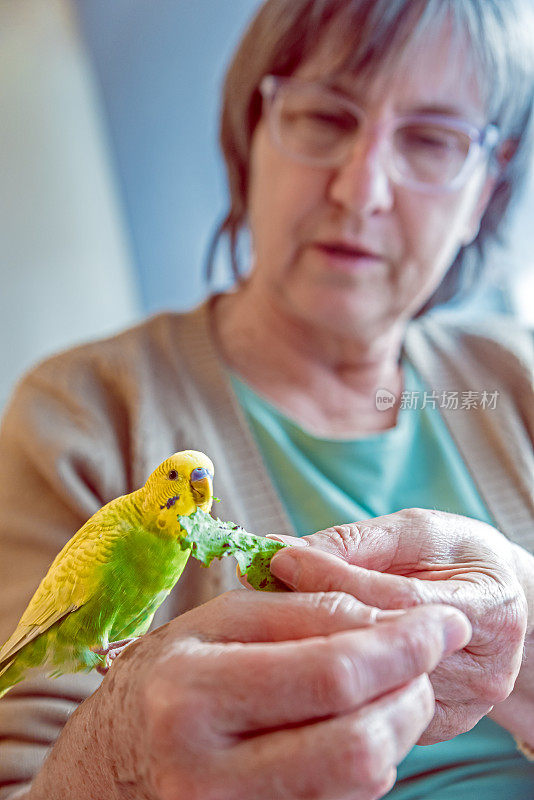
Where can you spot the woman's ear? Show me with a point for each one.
(500, 160)
(504, 154)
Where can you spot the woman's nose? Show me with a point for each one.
(361, 184)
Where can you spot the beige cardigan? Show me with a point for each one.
(90, 424)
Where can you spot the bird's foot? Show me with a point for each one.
(111, 652)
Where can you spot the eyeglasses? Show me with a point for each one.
(317, 126)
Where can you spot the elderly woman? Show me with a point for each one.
(372, 151)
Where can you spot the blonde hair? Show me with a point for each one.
(286, 33)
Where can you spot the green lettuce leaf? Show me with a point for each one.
(209, 537)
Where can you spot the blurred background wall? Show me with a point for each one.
(66, 269)
(111, 182)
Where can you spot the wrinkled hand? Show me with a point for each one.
(419, 556)
(271, 696)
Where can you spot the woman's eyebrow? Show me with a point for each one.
(345, 87)
(440, 109)
(348, 88)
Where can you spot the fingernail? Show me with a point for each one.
(285, 566)
(291, 540)
(242, 578)
(457, 630)
(383, 616)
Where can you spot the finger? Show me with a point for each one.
(293, 541)
(375, 791)
(267, 685)
(408, 538)
(346, 756)
(372, 543)
(451, 719)
(242, 578)
(460, 703)
(313, 570)
(278, 616)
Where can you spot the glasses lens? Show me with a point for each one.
(313, 125)
(430, 153)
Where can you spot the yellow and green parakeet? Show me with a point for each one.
(105, 585)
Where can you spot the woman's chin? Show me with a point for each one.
(345, 310)
(358, 316)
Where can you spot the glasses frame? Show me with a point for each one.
(482, 140)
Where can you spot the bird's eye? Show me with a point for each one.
(199, 473)
(172, 475)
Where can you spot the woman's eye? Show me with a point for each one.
(325, 119)
(427, 141)
(325, 116)
(336, 121)
(431, 139)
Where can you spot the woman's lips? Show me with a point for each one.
(347, 258)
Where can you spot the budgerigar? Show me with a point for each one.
(105, 585)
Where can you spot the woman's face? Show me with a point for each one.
(297, 212)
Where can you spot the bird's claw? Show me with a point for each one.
(111, 652)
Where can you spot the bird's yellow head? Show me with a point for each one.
(180, 484)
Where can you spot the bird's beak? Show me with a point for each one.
(203, 492)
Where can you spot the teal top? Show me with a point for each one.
(329, 481)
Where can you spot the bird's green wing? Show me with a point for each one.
(70, 582)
